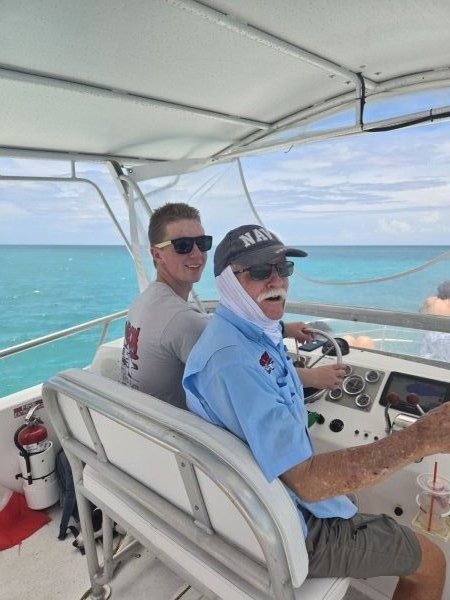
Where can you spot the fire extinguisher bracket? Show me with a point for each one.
(37, 462)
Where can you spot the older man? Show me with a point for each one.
(239, 377)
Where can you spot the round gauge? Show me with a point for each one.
(335, 394)
(348, 370)
(353, 385)
(363, 400)
(372, 376)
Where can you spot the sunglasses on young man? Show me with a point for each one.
(261, 272)
(184, 245)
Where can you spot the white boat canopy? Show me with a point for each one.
(196, 82)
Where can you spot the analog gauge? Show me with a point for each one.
(363, 400)
(348, 370)
(335, 394)
(353, 385)
(372, 376)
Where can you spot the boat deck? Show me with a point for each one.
(54, 569)
(49, 569)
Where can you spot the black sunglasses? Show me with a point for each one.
(261, 272)
(184, 245)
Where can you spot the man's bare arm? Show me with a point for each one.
(343, 471)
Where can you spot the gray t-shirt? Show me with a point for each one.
(160, 331)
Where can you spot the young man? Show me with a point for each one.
(239, 377)
(162, 326)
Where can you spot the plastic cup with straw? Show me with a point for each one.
(430, 516)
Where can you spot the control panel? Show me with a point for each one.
(379, 395)
(359, 388)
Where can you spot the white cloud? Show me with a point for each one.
(8, 210)
(393, 226)
(433, 217)
(34, 167)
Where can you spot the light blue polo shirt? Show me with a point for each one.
(237, 378)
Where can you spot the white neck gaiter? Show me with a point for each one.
(235, 298)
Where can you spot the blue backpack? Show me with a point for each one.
(68, 502)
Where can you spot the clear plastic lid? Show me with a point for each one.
(439, 487)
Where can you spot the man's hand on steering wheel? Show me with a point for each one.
(298, 331)
(325, 377)
(317, 379)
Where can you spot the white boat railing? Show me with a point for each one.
(355, 314)
(64, 333)
(358, 314)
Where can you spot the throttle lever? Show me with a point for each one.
(414, 400)
(392, 399)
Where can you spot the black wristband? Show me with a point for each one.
(282, 328)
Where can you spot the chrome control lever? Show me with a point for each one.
(402, 420)
(392, 399)
(414, 400)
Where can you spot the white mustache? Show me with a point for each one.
(272, 294)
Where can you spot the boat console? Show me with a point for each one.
(380, 395)
(375, 387)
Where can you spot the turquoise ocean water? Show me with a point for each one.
(47, 288)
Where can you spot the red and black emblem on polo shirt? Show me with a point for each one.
(266, 362)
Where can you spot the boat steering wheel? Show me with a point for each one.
(332, 347)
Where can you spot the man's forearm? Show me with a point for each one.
(343, 471)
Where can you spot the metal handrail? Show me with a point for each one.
(359, 314)
(393, 318)
(346, 313)
(57, 335)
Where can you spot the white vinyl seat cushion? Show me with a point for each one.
(108, 396)
(98, 485)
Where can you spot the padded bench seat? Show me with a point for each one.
(189, 491)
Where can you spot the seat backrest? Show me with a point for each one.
(108, 359)
(152, 441)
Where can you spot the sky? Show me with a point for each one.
(390, 188)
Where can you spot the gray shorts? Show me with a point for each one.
(364, 546)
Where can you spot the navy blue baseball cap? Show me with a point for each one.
(250, 245)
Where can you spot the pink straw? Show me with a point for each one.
(432, 496)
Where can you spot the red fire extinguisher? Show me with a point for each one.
(30, 439)
(37, 462)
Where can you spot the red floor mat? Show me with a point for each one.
(18, 522)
